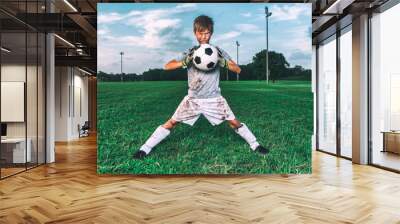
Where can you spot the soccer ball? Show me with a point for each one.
(205, 57)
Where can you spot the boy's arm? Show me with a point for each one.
(225, 61)
(184, 62)
(174, 64)
(232, 66)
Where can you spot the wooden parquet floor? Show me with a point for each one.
(70, 191)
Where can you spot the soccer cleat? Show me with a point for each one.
(139, 154)
(260, 149)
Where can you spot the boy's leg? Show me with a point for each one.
(170, 124)
(216, 110)
(158, 135)
(242, 130)
(186, 113)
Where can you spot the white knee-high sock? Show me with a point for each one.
(247, 135)
(158, 135)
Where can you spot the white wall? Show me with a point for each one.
(17, 72)
(12, 101)
(62, 81)
(70, 83)
(14, 72)
(33, 127)
(80, 110)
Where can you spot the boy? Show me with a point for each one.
(204, 95)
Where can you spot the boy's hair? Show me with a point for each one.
(202, 23)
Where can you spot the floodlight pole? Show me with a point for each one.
(227, 74)
(122, 78)
(237, 58)
(267, 14)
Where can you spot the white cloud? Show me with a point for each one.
(246, 14)
(226, 36)
(135, 60)
(297, 39)
(113, 17)
(156, 29)
(152, 24)
(250, 28)
(109, 18)
(287, 12)
(300, 39)
(300, 43)
(103, 31)
(186, 6)
(134, 13)
(153, 21)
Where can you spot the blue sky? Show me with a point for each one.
(151, 34)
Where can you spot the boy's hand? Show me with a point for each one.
(219, 52)
(221, 60)
(189, 57)
(186, 62)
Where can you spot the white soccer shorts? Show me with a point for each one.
(216, 110)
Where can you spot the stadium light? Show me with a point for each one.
(237, 58)
(122, 78)
(267, 14)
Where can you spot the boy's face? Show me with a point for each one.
(203, 37)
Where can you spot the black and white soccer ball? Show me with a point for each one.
(205, 57)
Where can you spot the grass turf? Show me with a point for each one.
(280, 115)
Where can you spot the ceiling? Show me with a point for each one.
(329, 15)
(74, 22)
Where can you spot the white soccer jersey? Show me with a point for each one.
(204, 97)
(204, 84)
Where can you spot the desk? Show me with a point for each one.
(391, 141)
(16, 147)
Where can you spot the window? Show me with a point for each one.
(385, 89)
(22, 80)
(327, 95)
(346, 92)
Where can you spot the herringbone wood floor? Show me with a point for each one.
(70, 191)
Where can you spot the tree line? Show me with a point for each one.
(279, 70)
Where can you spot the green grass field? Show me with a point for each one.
(280, 115)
